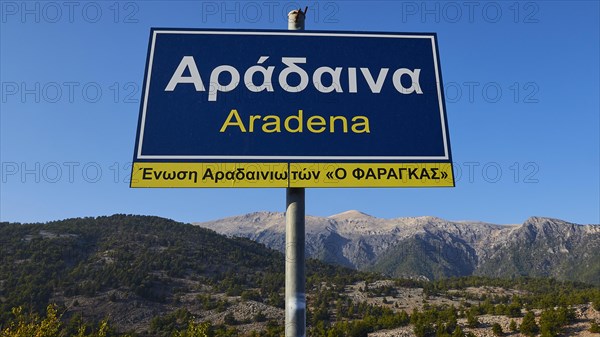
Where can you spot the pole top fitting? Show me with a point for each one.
(296, 19)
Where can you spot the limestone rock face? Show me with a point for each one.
(432, 248)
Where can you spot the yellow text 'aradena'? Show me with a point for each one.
(217, 175)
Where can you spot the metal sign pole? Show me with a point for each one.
(295, 277)
(295, 297)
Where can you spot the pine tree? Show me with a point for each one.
(497, 329)
(528, 326)
(549, 323)
(458, 332)
(595, 328)
(513, 326)
(472, 320)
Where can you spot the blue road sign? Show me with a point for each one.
(292, 97)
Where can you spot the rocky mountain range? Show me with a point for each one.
(150, 276)
(433, 248)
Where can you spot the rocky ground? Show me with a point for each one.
(585, 315)
(129, 314)
(409, 298)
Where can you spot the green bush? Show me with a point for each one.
(497, 329)
(595, 327)
(529, 327)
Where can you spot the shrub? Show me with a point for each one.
(497, 329)
(528, 326)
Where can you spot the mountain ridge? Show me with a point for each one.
(150, 276)
(433, 248)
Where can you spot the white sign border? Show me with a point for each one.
(140, 156)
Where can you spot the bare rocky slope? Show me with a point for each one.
(433, 248)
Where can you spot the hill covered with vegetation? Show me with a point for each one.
(149, 276)
(136, 268)
(432, 248)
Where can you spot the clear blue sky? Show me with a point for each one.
(521, 81)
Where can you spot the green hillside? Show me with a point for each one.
(140, 261)
(149, 276)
